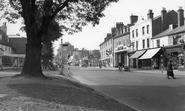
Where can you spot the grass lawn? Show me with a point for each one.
(53, 94)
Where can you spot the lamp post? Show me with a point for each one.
(61, 52)
(183, 49)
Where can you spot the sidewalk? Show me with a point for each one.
(154, 71)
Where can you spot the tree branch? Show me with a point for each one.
(60, 7)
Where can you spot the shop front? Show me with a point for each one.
(134, 59)
(152, 59)
(175, 53)
(10, 60)
(121, 55)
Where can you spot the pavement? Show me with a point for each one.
(152, 71)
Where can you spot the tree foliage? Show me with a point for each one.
(39, 16)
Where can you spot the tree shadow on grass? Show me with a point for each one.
(68, 96)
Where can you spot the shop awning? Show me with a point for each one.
(137, 54)
(150, 53)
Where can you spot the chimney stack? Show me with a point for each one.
(119, 27)
(150, 14)
(133, 18)
(164, 19)
(109, 34)
(113, 31)
(180, 17)
(4, 28)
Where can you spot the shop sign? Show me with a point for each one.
(121, 48)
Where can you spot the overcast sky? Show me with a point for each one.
(91, 37)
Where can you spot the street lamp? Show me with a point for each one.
(61, 52)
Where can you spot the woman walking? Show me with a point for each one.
(170, 71)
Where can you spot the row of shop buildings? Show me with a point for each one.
(148, 43)
(12, 49)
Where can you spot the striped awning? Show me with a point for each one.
(137, 54)
(150, 53)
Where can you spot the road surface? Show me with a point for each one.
(144, 91)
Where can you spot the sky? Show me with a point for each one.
(91, 37)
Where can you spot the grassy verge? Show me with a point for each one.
(55, 94)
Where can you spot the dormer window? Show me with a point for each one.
(8, 39)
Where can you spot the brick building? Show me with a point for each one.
(145, 55)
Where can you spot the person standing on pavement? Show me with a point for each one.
(170, 70)
(119, 65)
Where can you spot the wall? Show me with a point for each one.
(163, 41)
(138, 26)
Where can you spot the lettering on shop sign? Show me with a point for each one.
(121, 48)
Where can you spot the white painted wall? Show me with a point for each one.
(164, 41)
(138, 26)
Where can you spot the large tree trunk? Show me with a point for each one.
(32, 63)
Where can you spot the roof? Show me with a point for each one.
(170, 32)
(123, 34)
(19, 45)
(4, 39)
(162, 34)
(177, 30)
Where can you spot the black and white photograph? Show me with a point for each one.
(92, 55)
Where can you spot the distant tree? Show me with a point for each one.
(38, 16)
(96, 54)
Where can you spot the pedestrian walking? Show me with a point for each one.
(170, 70)
(100, 65)
(162, 66)
(119, 65)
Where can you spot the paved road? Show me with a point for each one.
(144, 91)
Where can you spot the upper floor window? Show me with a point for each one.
(0, 37)
(5, 48)
(148, 43)
(158, 43)
(136, 32)
(119, 42)
(133, 44)
(143, 43)
(136, 45)
(147, 29)
(132, 33)
(123, 43)
(143, 30)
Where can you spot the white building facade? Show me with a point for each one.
(106, 51)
